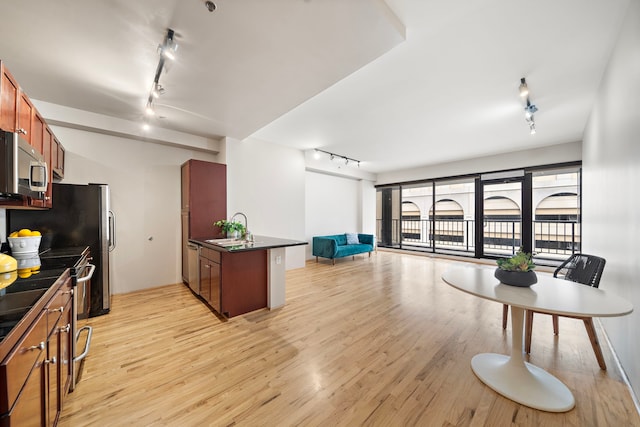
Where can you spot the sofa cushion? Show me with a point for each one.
(352, 239)
(346, 250)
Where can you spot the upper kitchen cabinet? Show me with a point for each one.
(57, 158)
(25, 119)
(48, 151)
(37, 132)
(9, 92)
(19, 115)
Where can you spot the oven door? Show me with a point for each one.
(83, 331)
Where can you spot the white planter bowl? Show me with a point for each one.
(24, 245)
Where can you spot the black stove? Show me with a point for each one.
(18, 298)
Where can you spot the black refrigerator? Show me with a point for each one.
(80, 216)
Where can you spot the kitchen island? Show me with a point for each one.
(236, 276)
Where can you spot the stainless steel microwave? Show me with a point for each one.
(23, 171)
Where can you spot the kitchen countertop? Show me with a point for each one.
(259, 243)
(20, 296)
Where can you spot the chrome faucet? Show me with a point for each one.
(246, 228)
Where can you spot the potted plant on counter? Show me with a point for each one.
(517, 270)
(232, 229)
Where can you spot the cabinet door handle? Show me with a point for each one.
(52, 361)
(65, 329)
(207, 266)
(69, 292)
(60, 309)
(36, 347)
(22, 131)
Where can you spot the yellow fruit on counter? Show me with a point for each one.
(8, 278)
(24, 273)
(14, 234)
(7, 263)
(25, 232)
(34, 269)
(35, 233)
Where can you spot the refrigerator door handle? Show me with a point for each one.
(112, 231)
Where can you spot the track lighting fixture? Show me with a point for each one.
(167, 50)
(529, 108)
(333, 156)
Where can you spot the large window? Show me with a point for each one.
(486, 218)
(556, 213)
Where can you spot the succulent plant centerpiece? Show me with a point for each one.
(516, 270)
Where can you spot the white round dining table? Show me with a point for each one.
(510, 375)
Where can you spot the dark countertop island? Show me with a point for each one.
(236, 276)
(258, 243)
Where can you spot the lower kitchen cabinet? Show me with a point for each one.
(28, 409)
(233, 283)
(210, 278)
(35, 375)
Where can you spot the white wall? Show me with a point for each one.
(561, 153)
(611, 171)
(332, 206)
(266, 182)
(144, 181)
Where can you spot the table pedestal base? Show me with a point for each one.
(523, 382)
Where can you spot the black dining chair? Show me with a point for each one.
(579, 268)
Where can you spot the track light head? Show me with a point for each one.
(530, 110)
(169, 47)
(524, 89)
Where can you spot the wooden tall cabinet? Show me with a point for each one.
(203, 201)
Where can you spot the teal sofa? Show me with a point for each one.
(336, 246)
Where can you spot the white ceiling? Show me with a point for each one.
(395, 84)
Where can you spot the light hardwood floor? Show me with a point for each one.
(377, 341)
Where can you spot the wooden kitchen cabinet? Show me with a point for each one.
(58, 347)
(57, 158)
(24, 366)
(37, 131)
(233, 283)
(35, 374)
(203, 202)
(47, 152)
(210, 289)
(24, 123)
(243, 282)
(9, 92)
(18, 114)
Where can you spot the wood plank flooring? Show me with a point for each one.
(378, 341)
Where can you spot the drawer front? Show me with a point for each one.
(28, 411)
(59, 303)
(16, 367)
(210, 254)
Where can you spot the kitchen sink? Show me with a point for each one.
(225, 242)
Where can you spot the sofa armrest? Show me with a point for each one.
(325, 247)
(366, 239)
